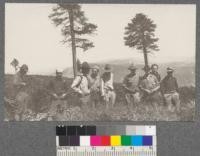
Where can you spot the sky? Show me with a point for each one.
(31, 37)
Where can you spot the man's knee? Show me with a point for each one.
(137, 97)
(168, 99)
(128, 98)
(176, 99)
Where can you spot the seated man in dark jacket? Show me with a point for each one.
(57, 88)
(169, 87)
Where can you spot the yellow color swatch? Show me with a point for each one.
(115, 140)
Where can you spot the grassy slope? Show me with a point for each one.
(40, 102)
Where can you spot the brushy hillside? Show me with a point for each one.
(40, 102)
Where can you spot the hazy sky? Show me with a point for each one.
(31, 37)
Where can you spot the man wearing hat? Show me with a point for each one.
(154, 71)
(107, 89)
(57, 88)
(169, 88)
(130, 85)
(80, 85)
(19, 78)
(22, 97)
(94, 85)
(149, 85)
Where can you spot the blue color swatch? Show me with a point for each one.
(147, 141)
(137, 140)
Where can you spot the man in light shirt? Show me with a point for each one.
(81, 85)
(107, 89)
(130, 84)
(94, 80)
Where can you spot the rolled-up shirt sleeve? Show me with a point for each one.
(176, 84)
(75, 84)
(102, 87)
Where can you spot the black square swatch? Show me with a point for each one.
(81, 130)
(71, 130)
(91, 130)
(60, 130)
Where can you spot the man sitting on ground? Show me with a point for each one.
(130, 85)
(169, 87)
(57, 88)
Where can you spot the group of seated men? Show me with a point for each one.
(93, 88)
(151, 88)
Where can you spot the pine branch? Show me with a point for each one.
(60, 17)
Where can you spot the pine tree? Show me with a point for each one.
(74, 25)
(139, 34)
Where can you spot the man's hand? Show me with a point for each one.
(103, 97)
(63, 96)
(55, 95)
(23, 84)
(147, 91)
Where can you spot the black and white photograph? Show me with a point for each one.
(99, 62)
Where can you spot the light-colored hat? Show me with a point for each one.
(96, 67)
(132, 67)
(107, 68)
(59, 70)
(169, 69)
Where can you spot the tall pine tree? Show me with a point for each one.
(74, 25)
(139, 34)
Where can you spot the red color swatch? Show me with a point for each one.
(105, 140)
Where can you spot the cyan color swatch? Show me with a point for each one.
(136, 140)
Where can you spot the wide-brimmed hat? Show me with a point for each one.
(132, 67)
(169, 69)
(85, 65)
(107, 68)
(96, 67)
(154, 65)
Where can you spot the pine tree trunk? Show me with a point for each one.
(71, 18)
(145, 59)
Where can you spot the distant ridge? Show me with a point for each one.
(184, 70)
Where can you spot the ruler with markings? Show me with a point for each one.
(90, 140)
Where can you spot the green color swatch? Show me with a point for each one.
(125, 140)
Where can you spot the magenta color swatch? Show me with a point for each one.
(95, 140)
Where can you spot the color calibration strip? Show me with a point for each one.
(89, 140)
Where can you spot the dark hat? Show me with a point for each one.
(132, 67)
(24, 67)
(169, 69)
(85, 65)
(107, 68)
(146, 68)
(14, 62)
